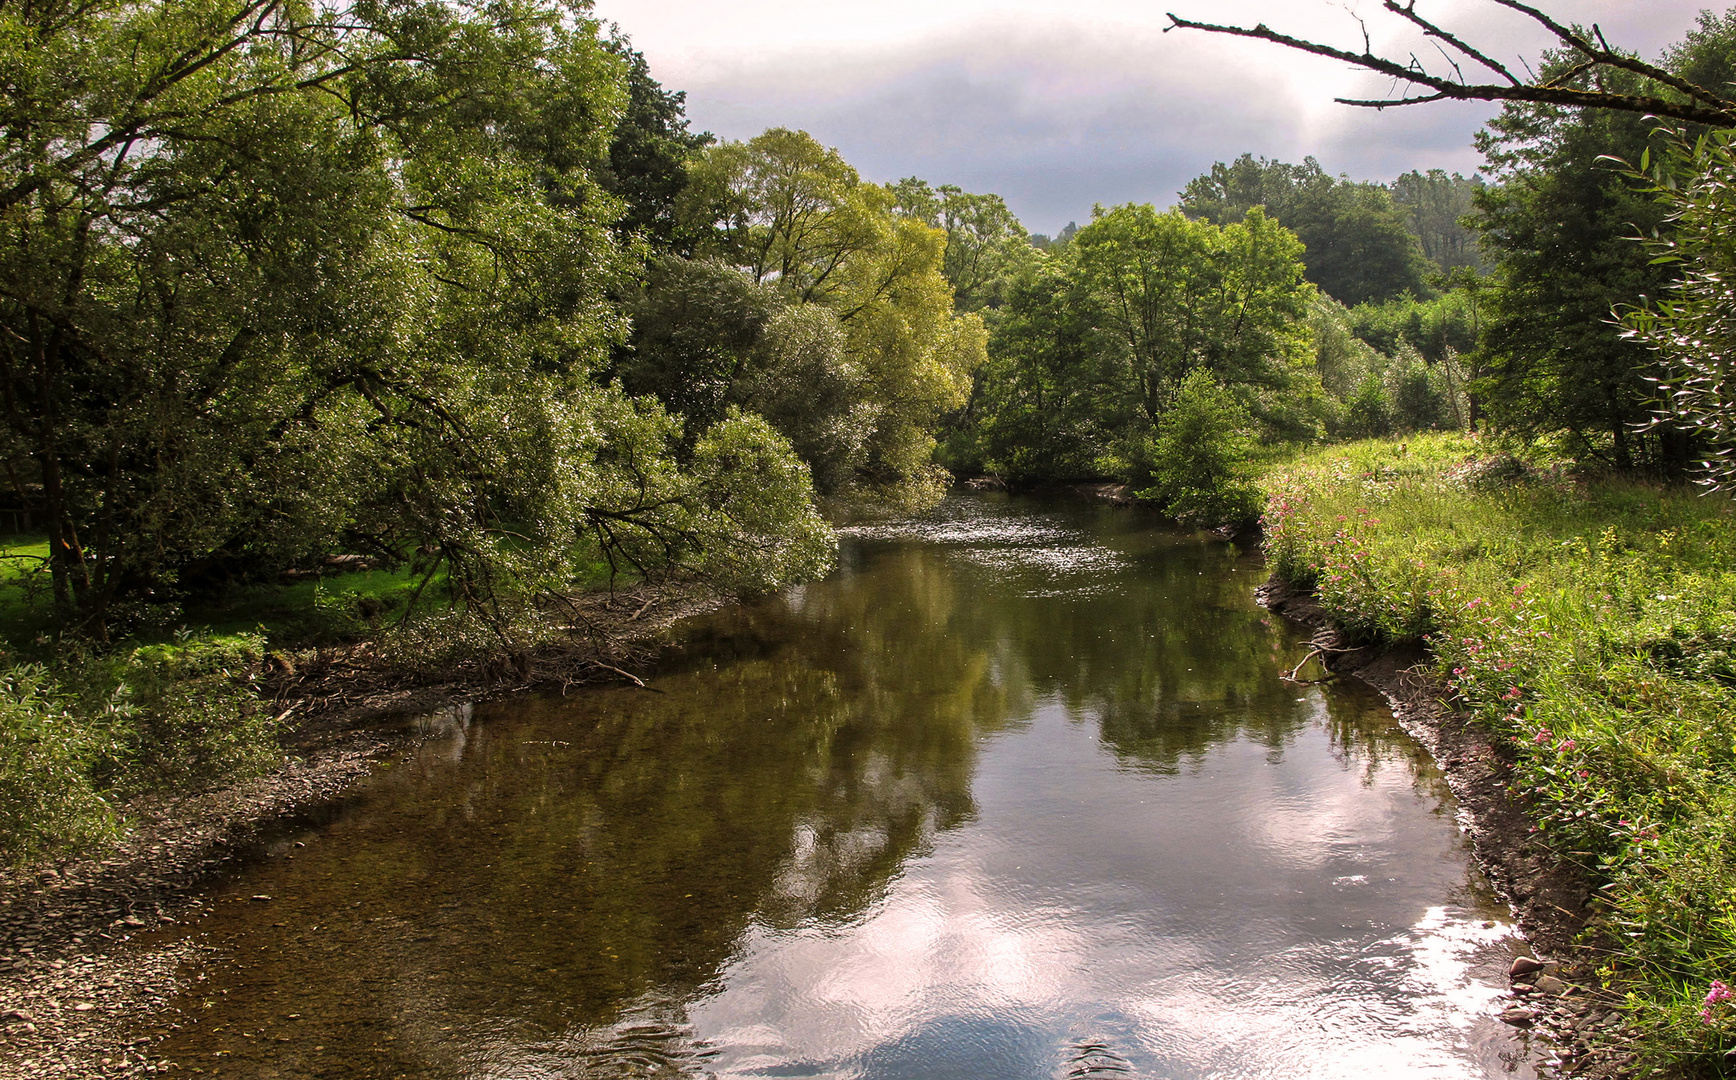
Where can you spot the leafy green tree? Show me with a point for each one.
(1097, 338)
(697, 324)
(649, 152)
(1692, 326)
(1342, 356)
(1046, 405)
(1450, 321)
(1562, 223)
(1436, 205)
(1420, 399)
(1175, 295)
(1359, 245)
(708, 339)
(1203, 471)
(784, 209)
(985, 243)
(1368, 413)
(792, 214)
(275, 282)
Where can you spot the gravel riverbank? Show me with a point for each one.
(76, 987)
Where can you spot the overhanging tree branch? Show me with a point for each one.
(1697, 105)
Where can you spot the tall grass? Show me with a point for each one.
(1591, 624)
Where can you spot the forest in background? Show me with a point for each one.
(416, 327)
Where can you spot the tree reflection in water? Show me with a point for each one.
(551, 901)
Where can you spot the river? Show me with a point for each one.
(1017, 793)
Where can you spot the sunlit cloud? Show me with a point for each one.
(1058, 111)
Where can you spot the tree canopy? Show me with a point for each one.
(277, 278)
(1359, 244)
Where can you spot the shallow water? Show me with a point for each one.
(1018, 793)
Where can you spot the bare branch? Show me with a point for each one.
(1408, 12)
(1703, 107)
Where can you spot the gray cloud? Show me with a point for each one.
(1059, 115)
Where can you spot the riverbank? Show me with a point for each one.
(1564, 998)
(1579, 630)
(70, 995)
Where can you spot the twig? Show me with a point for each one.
(1294, 674)
(628, 675)
(642, 608)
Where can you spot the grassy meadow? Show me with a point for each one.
(1590, 623)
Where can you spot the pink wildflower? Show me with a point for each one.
(1566, 745)
(1513, 693)
(1542, 737)
(1718, 992)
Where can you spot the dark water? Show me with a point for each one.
(1016, 794)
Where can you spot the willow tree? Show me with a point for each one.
(277, 276)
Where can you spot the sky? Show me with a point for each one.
(1058, 107)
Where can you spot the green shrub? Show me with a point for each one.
(48, 800)
(1202, 464)
(80, 736)
(1368, 414)
(195, 717)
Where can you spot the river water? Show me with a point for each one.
(1016, 794)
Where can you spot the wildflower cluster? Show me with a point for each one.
(1714, 1008)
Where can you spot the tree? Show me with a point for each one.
(697, 326)
(1562, 223)
(1554, 362)
(1178, 295)
(1359, 246)
(784, 209)
(1047, 404)
(1692, 325)
(985, 244)
(708, 339)
(793, 215)
(648, 154)
(1096, 340)
(1204, 470)
(274, 279)
(1436, 206)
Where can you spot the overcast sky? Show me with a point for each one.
(1059, 106)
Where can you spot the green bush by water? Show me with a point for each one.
(1590, 623)
(80, 736)
(1202, 457)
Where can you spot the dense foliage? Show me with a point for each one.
(1096, 339)
(277, 282)
(1562, 223)
(813, 300)
(1359, 241)
(1692, 328)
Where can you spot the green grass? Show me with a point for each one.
(1591, 623)
(23, 592)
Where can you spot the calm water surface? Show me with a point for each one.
(1018, 793)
